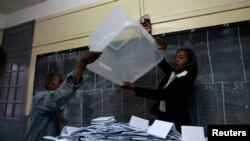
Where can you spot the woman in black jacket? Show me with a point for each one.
(174, 90)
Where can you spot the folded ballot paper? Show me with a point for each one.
(128, 50)
(162, 129)
(192, 133)
(139, 123)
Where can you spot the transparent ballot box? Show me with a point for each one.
(128, 50)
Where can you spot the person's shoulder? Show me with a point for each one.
(39, 96)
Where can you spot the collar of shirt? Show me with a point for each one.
(183, 73)
(174, 76)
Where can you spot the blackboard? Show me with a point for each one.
(222, 88)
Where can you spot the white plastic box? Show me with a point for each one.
(129, 51)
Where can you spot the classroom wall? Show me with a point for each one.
(167, 16)
(42, 9)
(172, 16)
(71, 29)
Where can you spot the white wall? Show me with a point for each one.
(2, 21)
(40, 10)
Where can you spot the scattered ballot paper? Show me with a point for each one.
(192, 133)
(160, 128)
(68, 130)
(50, 138)
(139, 123)
(103, 120)
(117, 131)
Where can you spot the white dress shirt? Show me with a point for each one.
(162, 106)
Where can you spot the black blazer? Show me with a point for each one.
(176, 95)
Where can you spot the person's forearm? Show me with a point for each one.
(154, 94)
(88, 58)
(165, 66)
(78, 71)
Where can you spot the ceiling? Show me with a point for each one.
(8, 6)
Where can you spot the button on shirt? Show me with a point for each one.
(162, 106)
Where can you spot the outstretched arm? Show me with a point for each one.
(143, 92)
(165, 67)
(59, 97)
(88, 58)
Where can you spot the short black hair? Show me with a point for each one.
(192, 61)
(51, 77)
(3, 57)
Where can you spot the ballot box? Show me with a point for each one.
(128, 50)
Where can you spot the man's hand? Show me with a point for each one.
(127, 85)
(90, 57)
(87, 58)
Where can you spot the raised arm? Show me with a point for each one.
(59, 97)
(88, 58)
(165, 67)
(155, 94)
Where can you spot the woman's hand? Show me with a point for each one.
(127, 85)
(160, 42)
